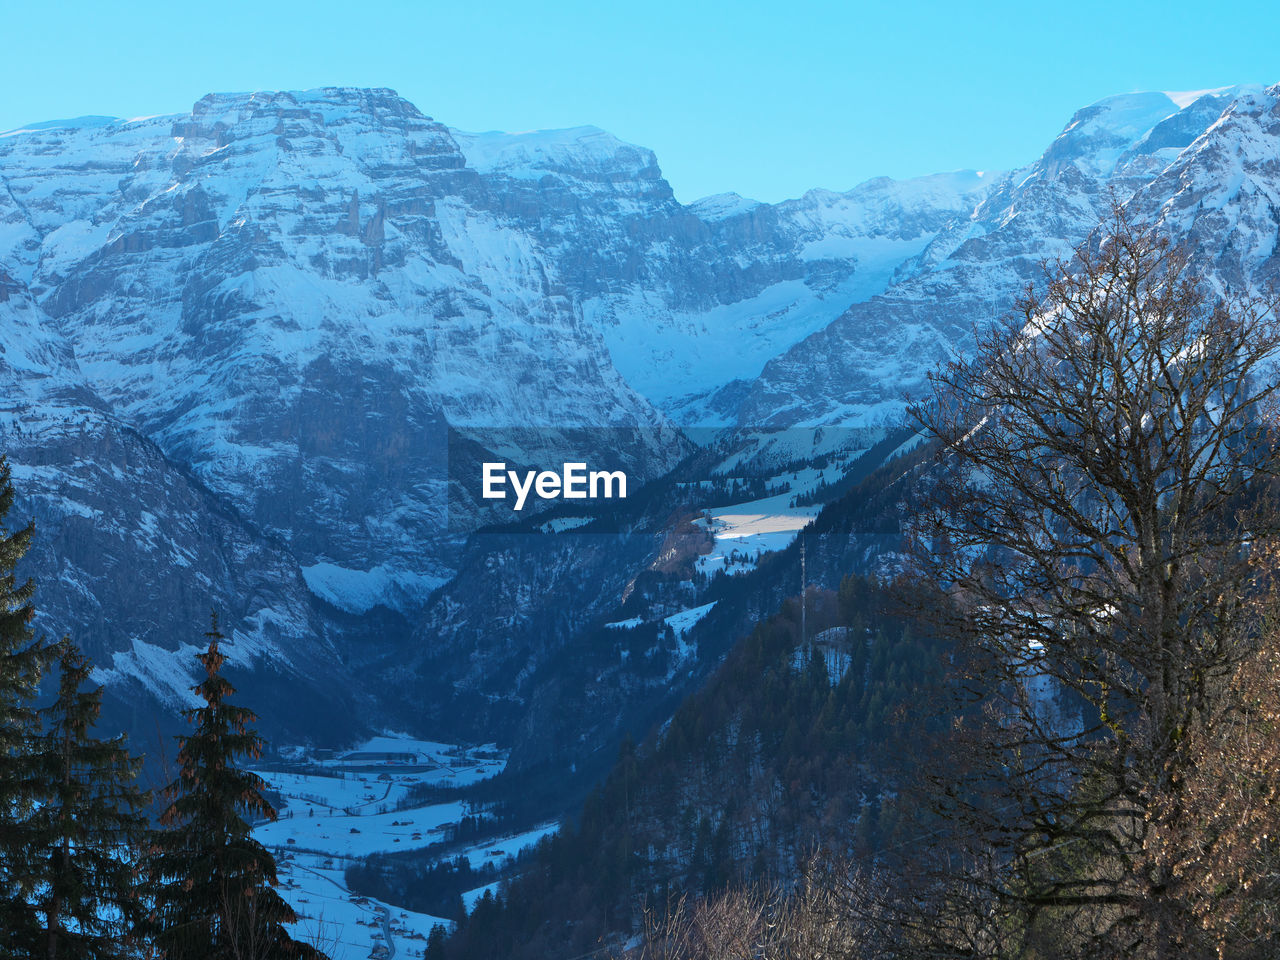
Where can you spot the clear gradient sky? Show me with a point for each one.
(766, 99)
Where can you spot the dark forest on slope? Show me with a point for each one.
(791, 746)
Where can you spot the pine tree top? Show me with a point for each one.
(206, 758)
(215, 884)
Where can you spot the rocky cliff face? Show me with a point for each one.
(291, 295)
(132, 552)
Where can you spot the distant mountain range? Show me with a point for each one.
(234, 342)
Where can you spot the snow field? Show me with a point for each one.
(330, 819)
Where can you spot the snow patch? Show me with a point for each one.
(722, 206)
(745, 532)
(359, 591)
(561, 524)
(684, 621)
(164, 673)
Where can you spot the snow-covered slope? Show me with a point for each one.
(131, 553)
(824, 250)
(854, 372)
(1222, 194)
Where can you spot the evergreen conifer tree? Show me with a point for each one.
(435, 943)
(23, 658)
(88, 826)
(214, 886)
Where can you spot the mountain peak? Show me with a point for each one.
(326, 102)
(70, 123)
(531, 154)
(722, 206)
(1184, 98)
(1098, 135)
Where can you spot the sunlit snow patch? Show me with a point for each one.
(684, 621)
(744, 532)
(561, 524)
(359, 591)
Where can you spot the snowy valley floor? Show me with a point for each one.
(336, 810)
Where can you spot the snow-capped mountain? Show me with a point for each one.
(296, 294)
(855, 371)
(236, 342)
(292, 296)
(1221, 195)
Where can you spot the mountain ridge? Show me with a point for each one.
(292, 298)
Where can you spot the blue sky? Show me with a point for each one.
(768, 99)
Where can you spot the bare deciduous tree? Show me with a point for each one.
(1229, 798)
(810, 923)
(1099, 477)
